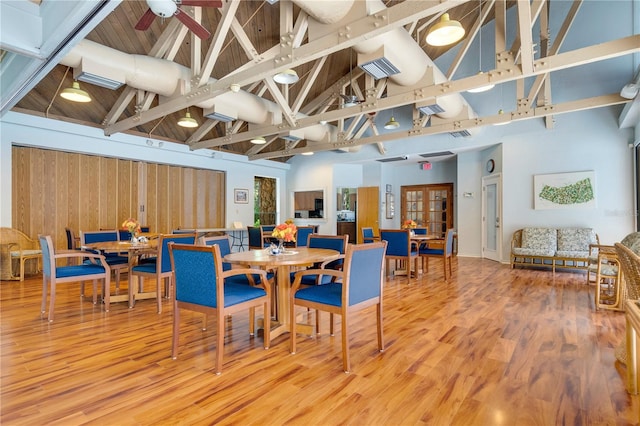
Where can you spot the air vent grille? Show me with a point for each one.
(460, 134)
(391, 159)
(431, 109)
(97, 80)
(436, 154)
(291, 138)
(379, 68)
(220, 117)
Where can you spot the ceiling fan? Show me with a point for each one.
(350, 99)
(168, 8)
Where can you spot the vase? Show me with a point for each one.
(412, 232)
(134, 239)
(277, 249)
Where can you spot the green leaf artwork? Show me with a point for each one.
(575, 193)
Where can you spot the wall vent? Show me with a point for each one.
(391, 159)
(460, 134)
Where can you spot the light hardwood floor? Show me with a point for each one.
(494, 346)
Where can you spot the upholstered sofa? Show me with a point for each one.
(552, 247)
(17, 247)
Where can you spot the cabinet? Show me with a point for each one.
(305, 200)
(348, 228)
(430, 206)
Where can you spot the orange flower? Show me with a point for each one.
(132, 226)
(409, 224)
(285, 231)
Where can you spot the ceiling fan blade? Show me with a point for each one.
(190, 23)
(201, 3)
(145, 22)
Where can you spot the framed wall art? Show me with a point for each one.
(575, 190)
(241, 196)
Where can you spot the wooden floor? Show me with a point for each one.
(494, 346)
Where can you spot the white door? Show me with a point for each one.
(491, 214)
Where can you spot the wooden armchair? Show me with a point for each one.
(17, 246)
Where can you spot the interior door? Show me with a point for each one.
(367, 210)
(491, 213)
(430, 206)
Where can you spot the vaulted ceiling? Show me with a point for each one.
(167, 71)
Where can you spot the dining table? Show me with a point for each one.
(134, 251)
(282, 263)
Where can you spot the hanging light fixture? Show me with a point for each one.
(445, 32)
(391, 124)
(286, 77)
(501, 112)
(490, 85)
(187, 121)
(75, 93)
(308, 153)
(258, 141)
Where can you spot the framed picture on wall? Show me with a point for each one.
(241, 196)
(389, 205)
(388, 187)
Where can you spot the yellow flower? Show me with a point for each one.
(285, 231)
(132, 226)
(409, 224)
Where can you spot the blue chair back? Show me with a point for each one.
(196, 270)
(420, 231)
(398, 241)
(365, 266)
(71, 244)
(124, 235)
(46, 256)
(448, 244)
(333, 242)
(303, 235)
(367, 235)
(255, 237)
(225, 247)
(98, 236)
(163, 256)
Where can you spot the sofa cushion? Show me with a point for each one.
(540, 239)
(632, 241)
(518, 251)
(573, 254)
(575, 239)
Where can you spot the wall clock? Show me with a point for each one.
(491, 165)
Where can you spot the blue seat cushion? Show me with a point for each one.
(78, 270)
(242, 279)
(311, 279)
(149, 268)
(435, 252)
(330, 294)
(238, 293)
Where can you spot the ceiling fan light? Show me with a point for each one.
(234, 87)
(629, 91)
(391, 124)
(187, 121)
(258, 141)
(162, 8)
(75, 93)
(286, 77)
(482, 88)
(445, 32)
(308, 153)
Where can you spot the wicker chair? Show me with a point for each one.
(15, 245)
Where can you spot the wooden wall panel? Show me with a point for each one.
(53, 189)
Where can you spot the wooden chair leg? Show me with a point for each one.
(176, 331)
(346, 364)
(43, 305)
(219, 341)
(267, 325)
(52, 302)
(379, 322)
(252, 321)
(159, 283)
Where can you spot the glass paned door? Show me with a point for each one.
(414, 206)
(430, 206)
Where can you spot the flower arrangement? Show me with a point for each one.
(409, 224)
(132, 226)
(285, 231)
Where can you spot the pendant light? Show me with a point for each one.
(490, 85)
(445, 32)
(391, 124)
(258, 141)
(75, 93)
(286, 77)
(187, 121)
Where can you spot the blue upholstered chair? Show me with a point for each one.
(367, 235)
(332, 242)
(445, 253)
(266, 231)
(202, 286)
(302, 237)
(400, 247)
(160, 269)
(225, 248)
(357, 286)
(420, 231)
(116, 261)
(255, 238)
(94, 268)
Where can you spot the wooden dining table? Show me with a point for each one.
(282, 263)
(134, 251)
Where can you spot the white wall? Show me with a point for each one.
(468, 211)
(26, 130)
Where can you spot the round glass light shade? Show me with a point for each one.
(187, 121)
(75, 93)
(391, 124)
(445, 32)
(258, 141)
(286, 77)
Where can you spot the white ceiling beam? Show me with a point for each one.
(526, 38)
